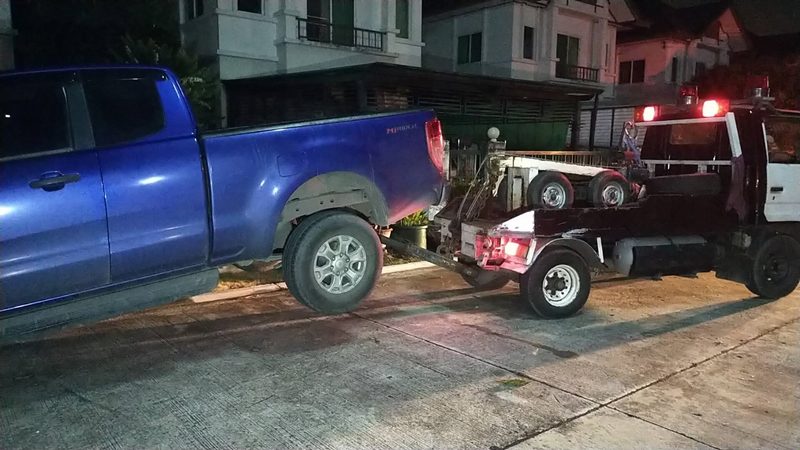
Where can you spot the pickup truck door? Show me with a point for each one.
(53, 233)
(782, 136)
(152, 172)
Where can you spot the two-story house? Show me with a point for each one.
(564, 41)
(247, 38)
(6, 37)
(290, 60)
(666, 47)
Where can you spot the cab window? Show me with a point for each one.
(33, 119)
(123, 110)
(693, 134)
(782, 135)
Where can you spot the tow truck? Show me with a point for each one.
(720, 191)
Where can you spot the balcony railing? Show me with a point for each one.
(580, 73)
(316, 30)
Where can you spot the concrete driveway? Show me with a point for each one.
(425, 364)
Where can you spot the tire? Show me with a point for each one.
(486, 281)
(776, 268)
(292, 243)
(317, 246)
(550, 190)
(558, 265)
(609, 189)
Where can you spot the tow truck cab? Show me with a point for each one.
(720, 192)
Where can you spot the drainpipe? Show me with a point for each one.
(576, 126)
(593, 125)
(686, 60)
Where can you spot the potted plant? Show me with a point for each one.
(412, 229)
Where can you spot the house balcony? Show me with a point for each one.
(578, 73)
(315, 30)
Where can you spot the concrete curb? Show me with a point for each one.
(275, 287)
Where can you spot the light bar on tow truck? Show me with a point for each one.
(710, 109)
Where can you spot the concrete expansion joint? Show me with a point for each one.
(599, 405)
(608, 404)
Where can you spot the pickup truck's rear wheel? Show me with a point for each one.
(776, 268)
(550, 190)
(557, 285)
(332, 262)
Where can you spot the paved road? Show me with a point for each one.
(425, 364)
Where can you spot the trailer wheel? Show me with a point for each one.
(486, 281)
(332, 262)
(550, 190)
(557, 285)
(609, 189)
(776, 268)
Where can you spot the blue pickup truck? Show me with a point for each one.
(111, 200)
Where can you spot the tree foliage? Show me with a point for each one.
(61, 32)
(75, 32)
(731, 81)
(197, 80)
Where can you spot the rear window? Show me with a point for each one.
(692, 141)
(33, 119)
(693, 134)
(123, 110)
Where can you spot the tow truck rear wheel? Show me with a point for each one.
(332, 262)
(557, 285)
(609, 189)
(550, 190)
(776, 268)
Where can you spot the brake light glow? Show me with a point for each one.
(649, 114)
(516, 249)
(433, 131)
(710, 108)
(714, 108)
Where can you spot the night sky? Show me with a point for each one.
(760, 17)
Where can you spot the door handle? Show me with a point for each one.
(54, 181)
(776, 189)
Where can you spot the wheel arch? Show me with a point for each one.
(584, 250)
(333, 190)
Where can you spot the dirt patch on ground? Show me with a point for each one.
(235, 278)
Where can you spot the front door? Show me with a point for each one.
(53, 230)
(782, 134)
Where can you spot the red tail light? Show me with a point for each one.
(713, 108)
(649, 114)
(433, 130)
(646, 114)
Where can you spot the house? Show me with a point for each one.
(559, 41)
(6, 37)
(666, 47)
(293, 60)
(247, 38)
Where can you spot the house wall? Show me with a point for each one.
(6, 37)
(503, 45)
(243, 44)
(658, 54)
